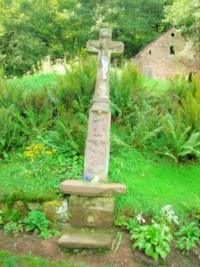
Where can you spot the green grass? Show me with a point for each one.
(153, 183)
(7, 259)
(36, 81)
(156, 87)
(15, 186)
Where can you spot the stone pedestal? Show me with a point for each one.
(91, 205)
(95, 212)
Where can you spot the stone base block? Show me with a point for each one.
(80, 239)
(95, 212)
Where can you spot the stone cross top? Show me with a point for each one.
(104, 47)
(98, 141)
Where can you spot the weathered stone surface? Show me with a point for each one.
(33, 205)
(95, 212)
(20, 206)
(56, 210)
(80, 239)
(3, 207)
(81, 188)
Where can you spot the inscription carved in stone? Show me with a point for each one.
(98, 125)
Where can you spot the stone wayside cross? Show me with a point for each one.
(91, 204)
(98, 141)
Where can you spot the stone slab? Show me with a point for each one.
(81, 188)
(94, 212)
(80, 239)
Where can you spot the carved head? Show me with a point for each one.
(105, 32)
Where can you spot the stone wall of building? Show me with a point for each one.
(158, 60)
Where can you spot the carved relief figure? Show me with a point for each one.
(95, 157)
(98, 126)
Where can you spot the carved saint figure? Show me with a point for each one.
(98, 126)
(95, 157)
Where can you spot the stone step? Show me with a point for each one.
(79, 239)
(82, 188)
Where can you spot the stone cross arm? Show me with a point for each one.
(113, 47)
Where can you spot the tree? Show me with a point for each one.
(33, 29)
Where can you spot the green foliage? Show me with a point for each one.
(31, 30)
(126, 90)
(37, 222)
(180, 142)
(13, 228)
(153, 239)
(7, 259)
(11, 262)
(188, 236)
(12, 216)
(190, 104)
(9, 129)
(1, 217)
(181, 124)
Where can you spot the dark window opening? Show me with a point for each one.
(149, 52)
(172, 51)
(172, 34)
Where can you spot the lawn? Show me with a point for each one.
(44, 139)
(156, 87)
(151, 183)
(8, 259)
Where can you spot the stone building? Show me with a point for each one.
(159, 59)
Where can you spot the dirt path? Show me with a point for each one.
(124, 257)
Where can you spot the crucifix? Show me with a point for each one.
(98, 141)
(104, 47)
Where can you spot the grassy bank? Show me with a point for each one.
(151, 183)
(7, 259)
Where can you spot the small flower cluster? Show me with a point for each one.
(169, 215)
(37, 150)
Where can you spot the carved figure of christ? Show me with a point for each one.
(104, 47)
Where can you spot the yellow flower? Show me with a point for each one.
(41, 146)
(48, 152)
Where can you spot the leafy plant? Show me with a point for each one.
(13, 228)
(37, 222)
(181, 141)
(188, 236)
(153, 239)
(1, 217)
(11, 262)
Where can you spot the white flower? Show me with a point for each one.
(139, 218)
(169, 215)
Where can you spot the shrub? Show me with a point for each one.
(37, 222)
(153, 239)
(188, 236)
